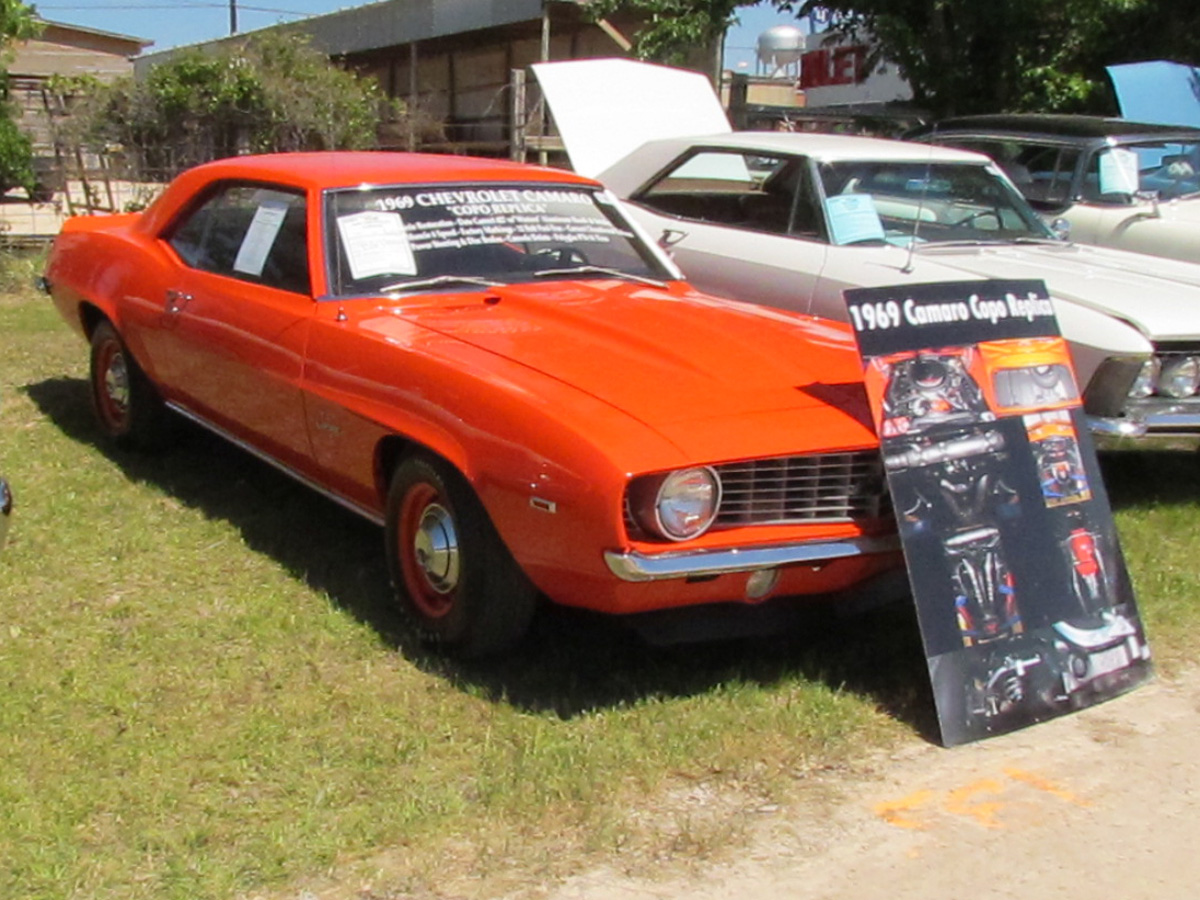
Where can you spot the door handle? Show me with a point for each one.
(177, 300)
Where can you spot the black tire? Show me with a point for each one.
(127, 406)
(453, 576)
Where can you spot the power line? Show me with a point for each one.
(176, 5)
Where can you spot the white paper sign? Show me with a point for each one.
(1118, 171)
(376, 244)
(853, 218)
(260, 237)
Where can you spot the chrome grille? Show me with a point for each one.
(792, 489)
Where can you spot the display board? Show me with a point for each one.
(1024, 602)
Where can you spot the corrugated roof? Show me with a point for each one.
(70, 26)
(391, 22)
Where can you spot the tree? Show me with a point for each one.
(962, 56)
(674, 31)
(270, 93)
(967, 56)
(17, 23)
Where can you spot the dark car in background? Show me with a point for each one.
(1124, 184)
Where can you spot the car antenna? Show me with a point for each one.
(912, 242)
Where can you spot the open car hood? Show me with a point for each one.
(607, 108)
(1158, 91)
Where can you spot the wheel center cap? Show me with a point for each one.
(435, 546)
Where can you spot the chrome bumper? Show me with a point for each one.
(635, 566)
(1164, 431)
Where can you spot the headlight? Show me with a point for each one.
(678, 505)
(1143, 385)
(1180, 377)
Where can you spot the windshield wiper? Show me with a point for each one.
(437, 281)
(961, 242)
(600, 270)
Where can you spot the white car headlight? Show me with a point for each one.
(1147, 378)
(678, 505)
(1180, 377)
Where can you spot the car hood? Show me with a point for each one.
(680, 362)
(1159, 297)
(1157, 91)
(605, 109)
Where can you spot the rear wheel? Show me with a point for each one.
(127, 406)
(453, 576)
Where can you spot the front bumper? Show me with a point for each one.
(1166, 428)
(1119, 422)
(635, 566)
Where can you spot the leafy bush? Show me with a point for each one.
(16, 156)
(271, 93)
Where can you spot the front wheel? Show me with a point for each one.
(126, 404)
(453, 576)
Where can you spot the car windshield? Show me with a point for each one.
(454, 236)
(1168, 168)
(903, 202)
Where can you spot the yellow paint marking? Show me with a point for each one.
(1044, 784)
(961, 802)
(896, 812)
(982, 800)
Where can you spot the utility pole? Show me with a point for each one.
(233, 16)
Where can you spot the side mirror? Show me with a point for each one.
(1150, 197)
(1061, 228)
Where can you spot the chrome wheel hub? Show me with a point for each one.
(435, 548)
(116, 382)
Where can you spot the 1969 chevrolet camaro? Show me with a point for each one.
(491, 362)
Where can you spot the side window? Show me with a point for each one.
(744, 190)
(1043, 173)
(249, 232)
(1051, 173)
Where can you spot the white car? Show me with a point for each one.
(1130, 185)
(792, 219)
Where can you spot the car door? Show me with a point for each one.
(739, 224)
(236, 322)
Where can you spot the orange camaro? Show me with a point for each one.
(490, 361)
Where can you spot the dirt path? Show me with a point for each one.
(1105, 802)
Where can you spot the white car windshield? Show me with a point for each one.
(902, 202)
(450, 236)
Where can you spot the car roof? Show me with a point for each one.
(333, 169)
(344, 169)
(635, 170)
(829, 147)
(1099, 128)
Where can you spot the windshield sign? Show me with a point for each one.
(383, 237)
(1168, 168)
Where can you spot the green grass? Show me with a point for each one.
(206, 694)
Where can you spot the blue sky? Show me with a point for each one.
(170, 23)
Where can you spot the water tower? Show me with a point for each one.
(779, 51)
